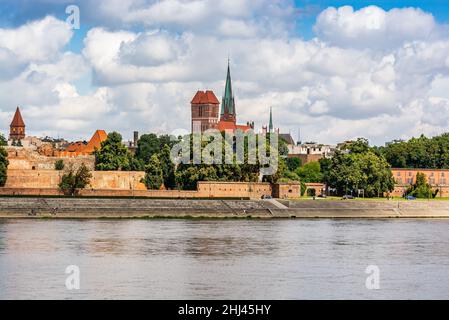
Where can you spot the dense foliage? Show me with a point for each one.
(421, 189)
(59, 165)
(73, 180)
(114, 156)
(3, 141)
(358, 169)
(150, 144)
(310, 172)
(293, 163)
(3, 166)
(168, 168)
(153, 174)
(188, 174)
(419, 152)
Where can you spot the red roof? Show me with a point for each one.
(229, 125)
(207, 97)
(17, 121)
(94, 143)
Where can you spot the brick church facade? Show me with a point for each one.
(205, 111)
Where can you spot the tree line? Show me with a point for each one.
(421, 152)
(358, 166)
(153, 155)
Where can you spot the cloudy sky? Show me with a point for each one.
(335, 69)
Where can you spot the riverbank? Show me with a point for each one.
(93, 208)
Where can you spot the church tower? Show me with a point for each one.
(17, 127)
(270, 125)
(228, 112)
(205, 107)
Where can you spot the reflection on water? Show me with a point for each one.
(213, 259)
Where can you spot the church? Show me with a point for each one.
(206, 107)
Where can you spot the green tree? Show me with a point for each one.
(310, 172)
(59, 165)
(3, 166)
(3, 141)
(147, 146)
(421, 189)
(113, 155)
(281, 173)
(361, 145)
(73, 180)
(187, 176)
(421, 152)
(150, 144)
(153, 174)
(293, 163)
(168, 168)
(352, 171)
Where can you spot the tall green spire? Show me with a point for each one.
(270, 127)
(228, 104)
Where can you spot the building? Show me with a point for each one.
(205, 107)
(287, 137)
(270, 127)
(17, 128)
(81, 148)
(132, 145)
(437, 178)
(310, 151)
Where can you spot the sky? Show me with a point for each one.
(331, 70)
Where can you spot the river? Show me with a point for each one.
(225, 259)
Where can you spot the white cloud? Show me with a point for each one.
(373, 27)
(150, 49)
(368, 72)
(36, 41)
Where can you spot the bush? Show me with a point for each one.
(421, 189)
(3, 166)
(153, 174)
(73, 180)
(59, 165)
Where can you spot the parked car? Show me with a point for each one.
(410, 198)
(347, 197)
(267, 197)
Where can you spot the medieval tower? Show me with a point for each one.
(205, 106)
(206, 110)
(228, 112)
(17, 127)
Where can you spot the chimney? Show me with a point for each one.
(136, 138)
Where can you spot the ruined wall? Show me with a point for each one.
(30, 159)
(128, 184)
(286, 190)
(307, 158)
(49, 179)
(233, 189)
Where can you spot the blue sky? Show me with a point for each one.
(17, 12)
(376, 69)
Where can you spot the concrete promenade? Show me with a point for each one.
(94, 208)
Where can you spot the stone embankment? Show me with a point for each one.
(93, 208)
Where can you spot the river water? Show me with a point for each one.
(225, 259)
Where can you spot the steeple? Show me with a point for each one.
(228, 104)
(270, 126)
(17, 127)
(17, 121)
